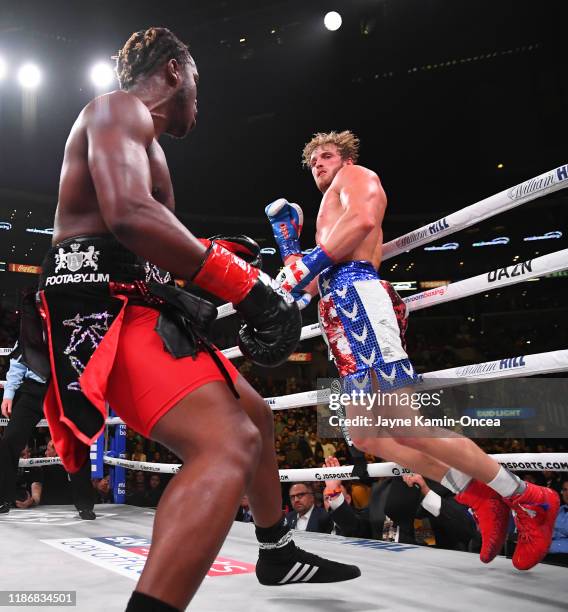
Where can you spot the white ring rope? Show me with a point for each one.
(500, 277)
(537, 187)
(517, 461)
(145, 466)
(39, 461)
(532, 189)
(509, 367)
(527, 462)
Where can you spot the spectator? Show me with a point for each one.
(560, 537)
(103, 493)
(303, 445)
(280, 455)
(553, 481)
(392, 511)
(24, 410)
(278, 424)
(58, 487)
(454, 528)
(139, 454)
(306, 516)
(137, 496)
(294, 456)
(329, 449)
(347, 520)
(315, 446)
(154, 491)
(341, 453)
(28, 484)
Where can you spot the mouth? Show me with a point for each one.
(320, 173)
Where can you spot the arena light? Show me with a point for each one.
(3, 69)
(547, 236)
(449, 246)
(29, 76)
(494, 242)
(34, 230)
(102, 75)
(332, 21)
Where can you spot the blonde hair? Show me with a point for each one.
(346, 142)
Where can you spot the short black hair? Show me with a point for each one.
(145, 51)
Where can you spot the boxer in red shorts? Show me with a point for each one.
(119, 331)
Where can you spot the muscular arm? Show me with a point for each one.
(363, 201)
(119, 133)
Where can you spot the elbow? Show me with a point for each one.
(122, 224)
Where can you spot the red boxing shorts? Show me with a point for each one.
(146, 381)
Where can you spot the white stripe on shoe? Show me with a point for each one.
(303, 571)
(289, 575)
(311, 574)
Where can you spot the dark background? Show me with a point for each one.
(439, 91)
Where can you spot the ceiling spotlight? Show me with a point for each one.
(102, 74)
(500, 166)
(29, 76)
(3, 69)
(332, 21)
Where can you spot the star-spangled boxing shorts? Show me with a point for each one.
(364, 333)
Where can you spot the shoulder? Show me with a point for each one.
(353, 173)
(118, 109)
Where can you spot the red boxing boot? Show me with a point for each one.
(491, 514)
(534, 512)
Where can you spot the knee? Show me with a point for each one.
(243, 449)
(415, 442)
(365, 445)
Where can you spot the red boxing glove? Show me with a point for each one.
(243, 246)
(273, 323)
(224, 274)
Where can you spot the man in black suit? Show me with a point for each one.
(306, 516)
(410, 497)
(454, 528)
(347, 520)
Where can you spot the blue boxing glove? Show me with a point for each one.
(286, 220)
(299, 274)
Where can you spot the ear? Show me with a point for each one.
(173, 74)
(348, 162)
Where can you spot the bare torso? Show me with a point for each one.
(331, 208)
(78, 212)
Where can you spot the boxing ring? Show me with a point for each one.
(101, 560)
(394, 576)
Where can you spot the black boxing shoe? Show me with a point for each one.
(292, 565)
